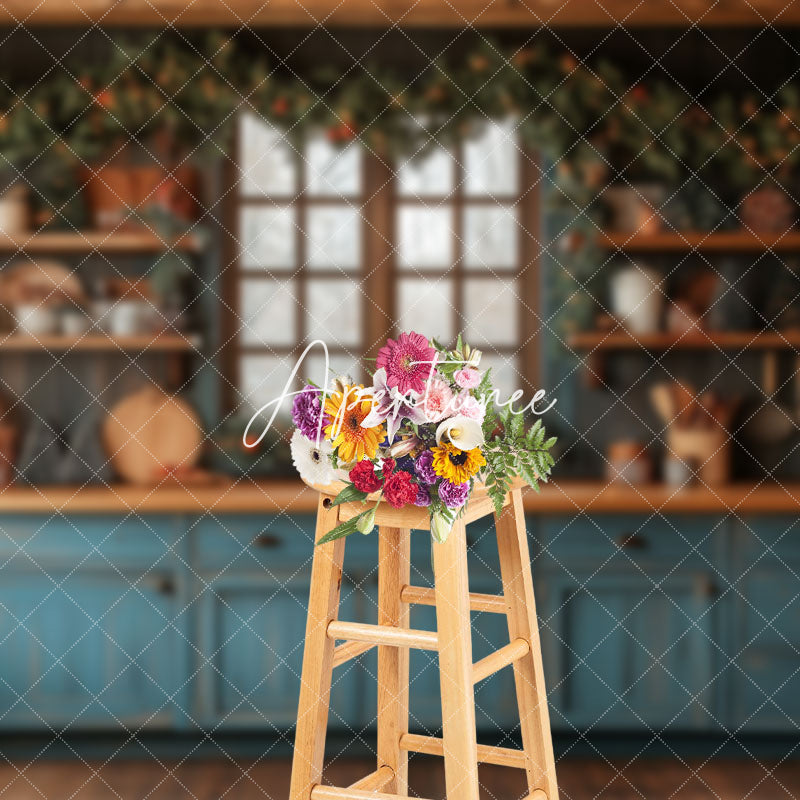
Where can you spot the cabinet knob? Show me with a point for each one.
(631, 541)
(266, 540)
(165, 586)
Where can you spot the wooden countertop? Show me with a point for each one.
(564, 497)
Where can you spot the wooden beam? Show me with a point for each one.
(423, 596)
(349, 650)
(333, 793)
(487, 754)
(531, 14)
(494, 662)
(375, 781)
(380, 634)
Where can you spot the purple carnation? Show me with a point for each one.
(454, 495)
(423, 466)
(423, 497)
(306, 412)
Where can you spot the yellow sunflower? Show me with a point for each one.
(346, 411)
(457, 466)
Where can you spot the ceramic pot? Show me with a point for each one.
(14, 213)
(129, 317)
(35, 319)
(768, 210)
(110, 195)
(636, 298)
(634, 209)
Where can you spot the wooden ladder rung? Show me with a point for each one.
(423, 596)
(348, 650)
(375, 781)
(333, 793)
(487, 754)
(494, 662)
(383, 634)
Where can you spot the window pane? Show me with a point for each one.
(491, 160)
(505, 377)
(268, 236)
(334, 311)
(491, 311)
(262, 379)
(490, 237)
(425, 237)
(266, 160)
(426, 307)
(427, 175)
(334, 237)
(340, 364)
(268, 310)
(331, 170)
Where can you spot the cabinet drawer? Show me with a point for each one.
(252, 540)
(760, 535)
(120, 541)
(770, 606)
(633, 536)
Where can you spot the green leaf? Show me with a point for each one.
(343, 529)
(348, 495)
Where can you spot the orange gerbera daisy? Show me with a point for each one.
(347, 409)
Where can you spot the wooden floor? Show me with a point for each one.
(578, 779)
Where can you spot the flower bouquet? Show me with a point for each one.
(428, 430)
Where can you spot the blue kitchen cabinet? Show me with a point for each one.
(84, 651)
(683, 623)
(251, 632)
(624, 654)
(764, 673)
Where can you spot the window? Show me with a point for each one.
(298, 277)
(463, 230)
(334, 245)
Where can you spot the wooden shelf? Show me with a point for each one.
(98, 342)
(711, 340)
(532, 14)
(567, 497)
(690, 241)
(65, 242)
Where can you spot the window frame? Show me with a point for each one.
(377, 203)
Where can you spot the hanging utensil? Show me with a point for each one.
(771, 422)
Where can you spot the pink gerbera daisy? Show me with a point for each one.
(408, 362)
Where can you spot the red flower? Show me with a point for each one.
(399, 490)
(364, 478)
(388, 467)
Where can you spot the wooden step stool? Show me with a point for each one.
(452, 640)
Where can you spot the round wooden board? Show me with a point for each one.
(150, 434)
(46, 277)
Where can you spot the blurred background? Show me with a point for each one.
(603, 199)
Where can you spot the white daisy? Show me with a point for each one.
(312, 462)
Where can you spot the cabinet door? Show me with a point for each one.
(86, 651)
(252, 633)
(623, 654)
(765, 672)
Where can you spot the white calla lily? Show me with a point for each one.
(462, 432)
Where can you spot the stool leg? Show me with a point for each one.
(455, 665)
(315, 684)
(394, 572)
(515, 568)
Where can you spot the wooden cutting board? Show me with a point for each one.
(149, 435)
